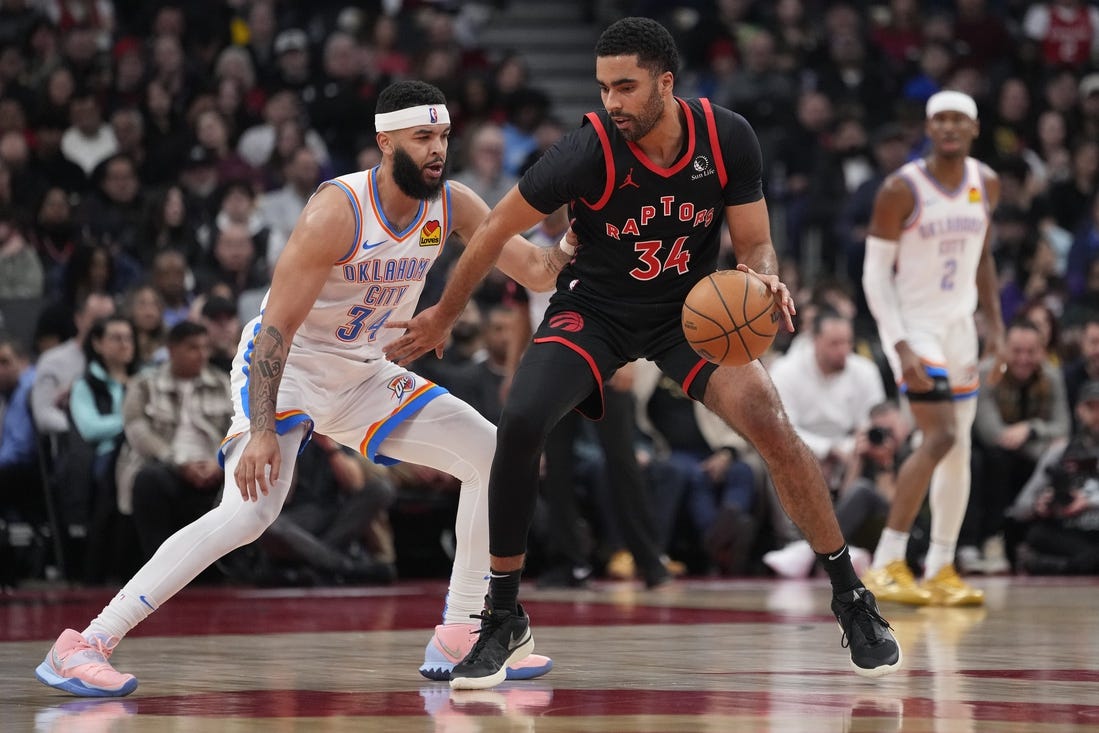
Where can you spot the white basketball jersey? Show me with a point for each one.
(940, 248)
(379, 279)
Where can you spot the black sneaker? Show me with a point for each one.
(504, 639)
(874, 650)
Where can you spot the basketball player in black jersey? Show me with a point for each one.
(650, 180)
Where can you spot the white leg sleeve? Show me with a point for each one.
(232, 523)
(449, 435)
(949, 495)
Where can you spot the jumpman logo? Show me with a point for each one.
(629, 181)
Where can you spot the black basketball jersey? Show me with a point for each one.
(647, 233)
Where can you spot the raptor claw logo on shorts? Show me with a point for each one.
(432, 234)
(402, 385)
(569, 321)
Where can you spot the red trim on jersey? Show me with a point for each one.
(691, 376)
(608, 161)
(690, 154)
(715, 144)
(591, 365)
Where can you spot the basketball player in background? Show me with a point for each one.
(652, 177)
(356, 258)
(928, 264)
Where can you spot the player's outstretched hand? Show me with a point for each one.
(783, 300)
(261, 451)
(427, 330)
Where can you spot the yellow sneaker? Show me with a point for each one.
(621, 566)
(674, 567)
(948, 589)
(895, 583)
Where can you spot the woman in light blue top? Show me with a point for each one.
(96, 408)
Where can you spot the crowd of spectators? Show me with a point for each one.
(154, 157)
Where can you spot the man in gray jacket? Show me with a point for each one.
(175, 417)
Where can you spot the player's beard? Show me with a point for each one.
(409, 177)
(646, 120)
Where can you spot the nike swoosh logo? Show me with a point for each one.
(372, 245)
(452, 653)
(838, 555)
(494, 575)
(513, 644)
(146, 602)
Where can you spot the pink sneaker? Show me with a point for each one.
(79, 666)
(452, 642)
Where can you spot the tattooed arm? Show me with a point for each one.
(324, 232)
(528, 264)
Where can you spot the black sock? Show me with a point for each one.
(503, 590)
(838, 566)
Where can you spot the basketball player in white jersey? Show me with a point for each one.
(927, 267)
(313, 361)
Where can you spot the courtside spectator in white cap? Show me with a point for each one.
(951, 102)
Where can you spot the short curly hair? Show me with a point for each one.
(405, 94)
(644, 37)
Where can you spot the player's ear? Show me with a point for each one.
(385, 143)
(667, 82)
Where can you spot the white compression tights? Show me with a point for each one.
(446, 434)
(452, 437)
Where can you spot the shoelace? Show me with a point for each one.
(99, 646)
(860, 612)
(489, 623)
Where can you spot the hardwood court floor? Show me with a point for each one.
(699, 656)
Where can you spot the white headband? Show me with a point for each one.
(425, 114)
(951, 102)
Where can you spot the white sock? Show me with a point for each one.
(893, 545)
(949, 495)
(451, 436)
(469, 576)
(125, 611)
(466, 595)
(939, 555)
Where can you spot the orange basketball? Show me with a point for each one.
(730, 318)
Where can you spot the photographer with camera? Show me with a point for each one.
(866, 491)
(862, 505)
(1059, 505)
(828, 391)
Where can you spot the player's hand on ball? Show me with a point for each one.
(427, 330)
(783, 300)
